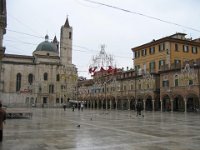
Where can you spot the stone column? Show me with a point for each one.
(90, 104)
(110, 104)
(97, 104)
(106, 104)
(172, 105)
(136, 104)
(161, 106)
(87, 104)
(116, 104)
(101, 104)
(185, 100)
(129, 104)
(153, 104)
(144, 104)
(122, 106)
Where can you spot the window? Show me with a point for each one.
(176, 83)
(57, 77)
(131, 86)
(177, 61)
(18, 82)
(51, 88)
(190, 82)
(70, 35)
(137, 67)
(44, 100)
(165, 83)
(152, 66)
(161, 47)
(151, 50)
(27, 100)
(144, 52)
(30, 79)
(161, 63)
(194, 49)
(176, 47)
(45, 76)
(137, 54)
(57, 100)
(185, 48)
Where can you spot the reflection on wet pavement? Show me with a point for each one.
(51, 129)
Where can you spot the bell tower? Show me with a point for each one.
(66, 44)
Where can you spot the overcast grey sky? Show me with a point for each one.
(94, 25)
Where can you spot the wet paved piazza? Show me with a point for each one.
(52, 129)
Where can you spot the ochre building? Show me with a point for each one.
(166, 78)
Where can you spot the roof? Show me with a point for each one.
(67, 23)
(47, 46)
(171, 38)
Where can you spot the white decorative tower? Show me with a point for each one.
(66, 44)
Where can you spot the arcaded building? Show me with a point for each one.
(166, 78)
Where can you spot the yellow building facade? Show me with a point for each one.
(166, 53)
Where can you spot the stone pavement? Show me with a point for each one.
(56, 129)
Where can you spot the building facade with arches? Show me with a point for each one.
(168, 90)
(166, 78)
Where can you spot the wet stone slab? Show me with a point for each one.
(52, 129)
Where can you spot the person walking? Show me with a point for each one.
(2, 120)
(139, 108)
(82, 106)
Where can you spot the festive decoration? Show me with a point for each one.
(102, 63)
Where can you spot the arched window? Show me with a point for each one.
(45, 76)
(18, 81)
(30, 79)
(176, 80)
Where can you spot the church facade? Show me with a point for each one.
(47, 78)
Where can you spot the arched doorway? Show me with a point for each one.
(104, 104)
(132, 104)
(149, 106)
(178, 103)
(192, 102)
(166, 104)
(113, 104)
(125, 104)
(119, 104)
(100, 104)
(108, 103)
(95, 104)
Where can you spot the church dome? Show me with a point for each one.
(47, 46)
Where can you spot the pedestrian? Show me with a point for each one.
(64, 107)
(2, 120)
(73, 107)
(79, 106)
(139, 108)
(82, 106)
